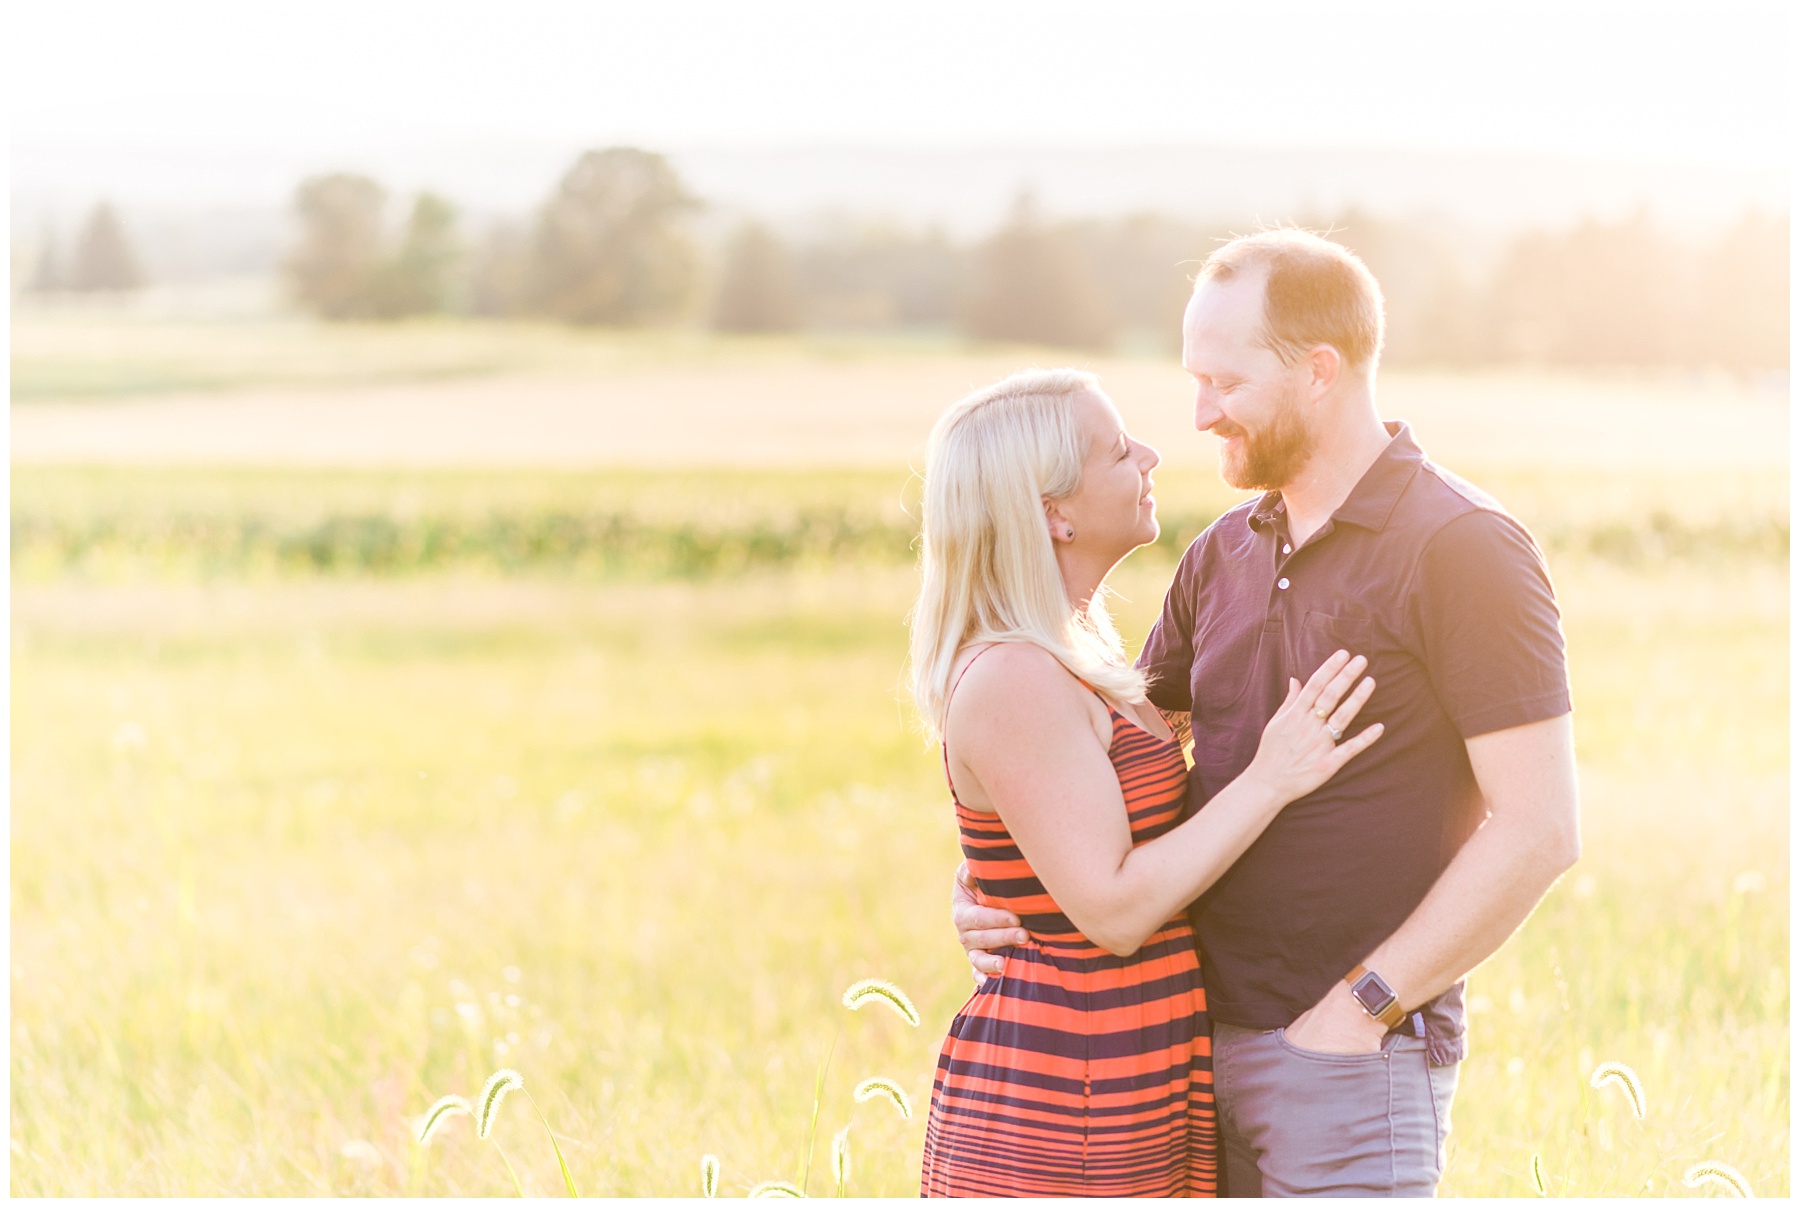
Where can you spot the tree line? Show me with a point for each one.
(615, 244)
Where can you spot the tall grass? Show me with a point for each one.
(295, 853)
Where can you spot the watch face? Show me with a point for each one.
(1372, 993)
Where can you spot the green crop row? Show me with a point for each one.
(611, 543)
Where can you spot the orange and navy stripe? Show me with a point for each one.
(1077, 1072)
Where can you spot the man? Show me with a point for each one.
(1333, 951)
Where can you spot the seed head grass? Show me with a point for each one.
(1718, 1174)
(1618, 1074)
(776, 1189)
(442, 1110)
(497, 1088)
(709, 1176)
(871, 1088)
(873, 989)
(840, 1159)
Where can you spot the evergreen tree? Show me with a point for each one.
(611, 245)
(757, 291)
(103, 258)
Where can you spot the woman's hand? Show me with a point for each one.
(1298, 753)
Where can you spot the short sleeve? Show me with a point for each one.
(1488, 625)
(1168, 655)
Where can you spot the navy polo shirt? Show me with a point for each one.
(1450, 599)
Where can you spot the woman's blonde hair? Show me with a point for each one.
(989, 571)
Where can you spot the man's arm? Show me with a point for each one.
(982, 929)
(1530, 838)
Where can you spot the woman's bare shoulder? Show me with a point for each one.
(1017, 683)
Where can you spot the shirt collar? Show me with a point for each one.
(1373, 497)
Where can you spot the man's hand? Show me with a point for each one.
(981, 928)
(1337, 1024)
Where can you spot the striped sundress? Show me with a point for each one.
(1076, 1072)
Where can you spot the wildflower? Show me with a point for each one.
(1623, 1076)
(872, 989)
(869, 1088)
(709, 1176)
(1718, 1173)
(840, 1158)
(443, 1109)
(496, 1089)
(777, 1189)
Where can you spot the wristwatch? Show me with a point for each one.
(1375, 996)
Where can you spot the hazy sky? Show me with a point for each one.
(321, 77)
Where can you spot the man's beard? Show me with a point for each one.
(1272, 456)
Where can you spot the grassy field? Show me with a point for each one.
(332, 793)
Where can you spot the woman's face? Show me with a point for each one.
(1112, 512)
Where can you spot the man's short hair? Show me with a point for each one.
(1317, 292)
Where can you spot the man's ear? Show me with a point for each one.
(1326, 365)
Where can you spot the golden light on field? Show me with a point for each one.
(385, 778)
(463, 517)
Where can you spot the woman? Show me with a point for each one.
(1084, 1068)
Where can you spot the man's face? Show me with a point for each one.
(1245, 395)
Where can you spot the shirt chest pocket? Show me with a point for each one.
(1321, 635)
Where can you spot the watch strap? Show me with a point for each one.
(1394, 1014)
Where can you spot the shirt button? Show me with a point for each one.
(1282, 584)
(1287, 549)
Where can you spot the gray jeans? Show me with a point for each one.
(1297, 1123)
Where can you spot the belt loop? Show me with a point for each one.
(1418, 1024)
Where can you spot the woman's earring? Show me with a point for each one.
(1068, 533)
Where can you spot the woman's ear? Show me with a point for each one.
(1061, 528)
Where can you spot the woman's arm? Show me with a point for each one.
(1023, 731)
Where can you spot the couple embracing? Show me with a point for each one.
(1242, 976)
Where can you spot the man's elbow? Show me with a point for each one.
(1560, 847)
(1568, 851)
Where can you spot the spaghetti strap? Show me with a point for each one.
(963, 672)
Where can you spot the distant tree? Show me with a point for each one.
(757, 289)
(420, 278)
(48, 278)
(611, 244)
(1606, 293)
(1739, 312)
(103, 257)
(1433, 314)
(1034, 285)
(500, 278)
(340, 247)
(1146, 264)
(880, 275)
